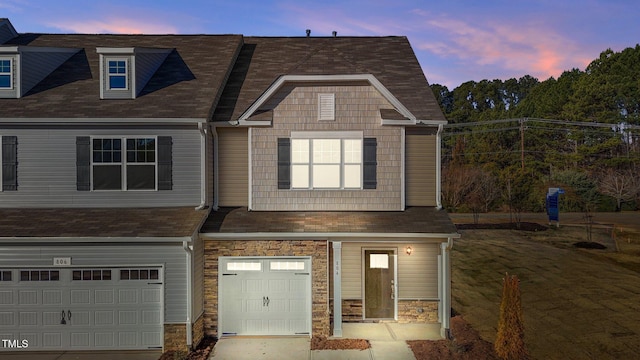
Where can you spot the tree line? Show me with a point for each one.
(508, 141)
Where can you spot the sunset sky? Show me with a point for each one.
(454, 40)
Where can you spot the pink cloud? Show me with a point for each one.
(115, 26)
(519, 48)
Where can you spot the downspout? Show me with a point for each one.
(438, 167)
(189, 253)
(445, 330)
(203, 166)
(214, 132)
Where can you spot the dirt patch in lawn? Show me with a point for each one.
(322, 343)
(465, 344)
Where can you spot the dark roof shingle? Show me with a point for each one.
(391, 60)
(427, 220)
(108, 222)
(187, 84)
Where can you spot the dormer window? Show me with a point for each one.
(118, 74)
(124, 72)
(6, 74)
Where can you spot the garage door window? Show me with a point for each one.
(5, 275)
(286, 265)
(244, 266)
(139, 274)
(39, 275)
(91, 274)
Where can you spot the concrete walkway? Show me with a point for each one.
(388, 341)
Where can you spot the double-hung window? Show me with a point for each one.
(6, 74)
(319, 161)
(117, 73)
(124, 163)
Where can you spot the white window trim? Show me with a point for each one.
(127, 73)
(320, 135)
(123, 161)
(10, 73)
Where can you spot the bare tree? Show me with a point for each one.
(456, 185)
(484, 191)
(621, 185)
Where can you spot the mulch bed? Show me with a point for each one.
(465, 345)
(322, 343)
(524, 226)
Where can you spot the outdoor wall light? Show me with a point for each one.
(408, 250)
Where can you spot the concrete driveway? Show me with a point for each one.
(82, 355)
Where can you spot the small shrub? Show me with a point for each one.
(509, 343)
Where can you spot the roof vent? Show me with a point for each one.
(335, 33)
(308, 32)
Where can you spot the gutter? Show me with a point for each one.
(337, 236)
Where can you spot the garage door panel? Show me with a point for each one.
(50, 318)
(104, 297)
(271, 299)
(51, 297)
(28, 318)
(104, 318)
(51, 340)
(6, 298)
(104, 339)
(80, 297)
(28, 297)
(101, 311)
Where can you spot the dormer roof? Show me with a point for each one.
(7, 31)
(186, 84)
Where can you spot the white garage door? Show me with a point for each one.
(265, 296)
(82, 309)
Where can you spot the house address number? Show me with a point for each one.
(62, 261)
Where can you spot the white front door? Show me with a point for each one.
(264, 296)
(81, 308)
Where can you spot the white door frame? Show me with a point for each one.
(395, 278)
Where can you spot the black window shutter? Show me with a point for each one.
(9, 163)
(165, 162)
(284, 163)
(370, 163)
(83, 163)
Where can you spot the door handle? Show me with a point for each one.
(268, 301)
(393, 292)
(62, 319)
(69, 315)
(264, 301)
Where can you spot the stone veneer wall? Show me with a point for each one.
(319, 284)
(408, 311)
(175, 337)
(295, 108)
(197, 331)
